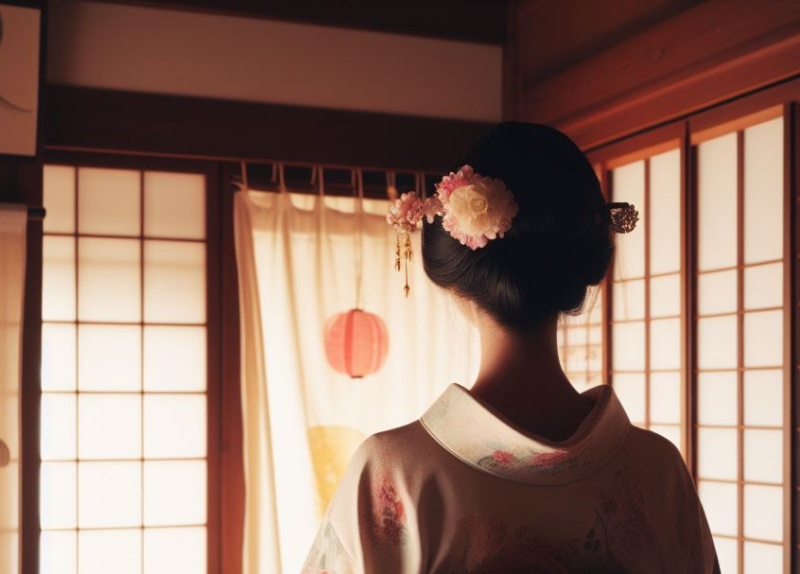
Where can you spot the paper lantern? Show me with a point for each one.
(356, 343)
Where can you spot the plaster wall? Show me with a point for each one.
(139, 49)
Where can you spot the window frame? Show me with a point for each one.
(606, 159)
(781, 100)
(219, 379)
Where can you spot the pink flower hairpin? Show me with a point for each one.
(474, 209)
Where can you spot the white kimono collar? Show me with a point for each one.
(474, 433)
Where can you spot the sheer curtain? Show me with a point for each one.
(13, 224)
(297, 257)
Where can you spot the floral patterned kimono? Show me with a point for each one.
(463, 490)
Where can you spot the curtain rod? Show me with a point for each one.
(317, 183)
(334, 166)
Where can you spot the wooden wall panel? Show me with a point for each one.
(561, 33)
(146, 50)
(704, 55)
(148, 124)
(481, 21)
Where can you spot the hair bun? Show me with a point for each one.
(557, 245)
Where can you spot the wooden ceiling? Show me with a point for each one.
(481, 21)
(555, 35)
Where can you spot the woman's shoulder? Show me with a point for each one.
(653, 443)
(395, 444)
(658, 454)
(404, 456)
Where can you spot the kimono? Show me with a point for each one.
(464, 490)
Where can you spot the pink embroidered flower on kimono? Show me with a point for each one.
(391, 512)
(503, 457)
(549, 458)
(476, 208)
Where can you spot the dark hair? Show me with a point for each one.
(559, 242)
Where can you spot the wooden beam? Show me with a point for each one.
(711, 53)
(148, 124)
(480, 21)
(562, 33)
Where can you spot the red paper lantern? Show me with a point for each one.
(356, 343)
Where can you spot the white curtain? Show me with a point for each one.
(297, 258)
(13, 224)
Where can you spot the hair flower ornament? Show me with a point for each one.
(474, 209)
(405, 216)
(406, 213)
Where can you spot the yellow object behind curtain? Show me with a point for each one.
(13, 225)
(296, 256)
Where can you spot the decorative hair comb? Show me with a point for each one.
(622, 217)
(475, 210)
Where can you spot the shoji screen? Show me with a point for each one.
(702, 337)
(123, 437)
(580, 343)
(741, 332)
(646, 285)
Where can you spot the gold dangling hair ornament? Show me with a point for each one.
(407, 255)
(402, 255)
(397, 254)
(622, 217)
(405, 216)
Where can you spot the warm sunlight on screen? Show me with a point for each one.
(124, 405)
(580, 344)
(740, 344)
(165, 364)
(58, 278)
(109, 358)
(171, 208)
(109, 280)
(174, 282)
(647, 323)
(108, 202)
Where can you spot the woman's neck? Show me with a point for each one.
(521, 378)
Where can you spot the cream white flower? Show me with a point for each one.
(477, 209)
(474, 209)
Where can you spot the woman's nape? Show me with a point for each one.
(521, 378)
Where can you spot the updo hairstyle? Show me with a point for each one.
(558, 245)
